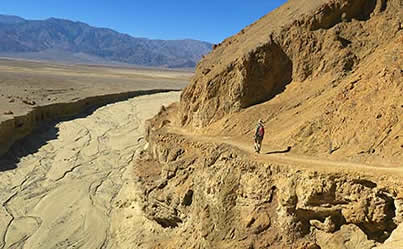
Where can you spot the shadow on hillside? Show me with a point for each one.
(268, 71)
(279, 151)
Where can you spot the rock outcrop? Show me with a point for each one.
(212, 195)
(330, 70)
(300, 40)
(325, 76)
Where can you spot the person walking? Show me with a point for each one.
(259, 134)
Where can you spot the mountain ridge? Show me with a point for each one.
(10, 19)
(19, 37)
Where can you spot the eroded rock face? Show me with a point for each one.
(252, 79)
(211, 195)
(208, 194)
(395, 241)
(348, 237)
(327, 203)
(297, 42)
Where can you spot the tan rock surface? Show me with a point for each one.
(395, 241)
(257, 201)
(325, 76)
(324, 84)
(348, 237)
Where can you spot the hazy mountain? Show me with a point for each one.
(47, 38)
(10, 19)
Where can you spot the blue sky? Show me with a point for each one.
(206, 20)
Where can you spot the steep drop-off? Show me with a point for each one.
(204, 192)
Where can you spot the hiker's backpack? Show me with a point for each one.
(260, 131)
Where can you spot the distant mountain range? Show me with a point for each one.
(64, 40)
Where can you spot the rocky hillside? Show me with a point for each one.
(201, 193)
(52, 37)
(325, 76)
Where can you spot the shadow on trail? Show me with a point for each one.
(279, 151)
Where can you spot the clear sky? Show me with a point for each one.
(207, 20)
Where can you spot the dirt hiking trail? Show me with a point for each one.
(285, 156)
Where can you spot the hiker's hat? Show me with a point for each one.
(260, 121)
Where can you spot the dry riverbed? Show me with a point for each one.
(66, 190)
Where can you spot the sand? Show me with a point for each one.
(66, 192)
(25, 85)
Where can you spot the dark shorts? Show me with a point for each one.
(258, 139)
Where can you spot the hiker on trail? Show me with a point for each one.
(259, 134)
